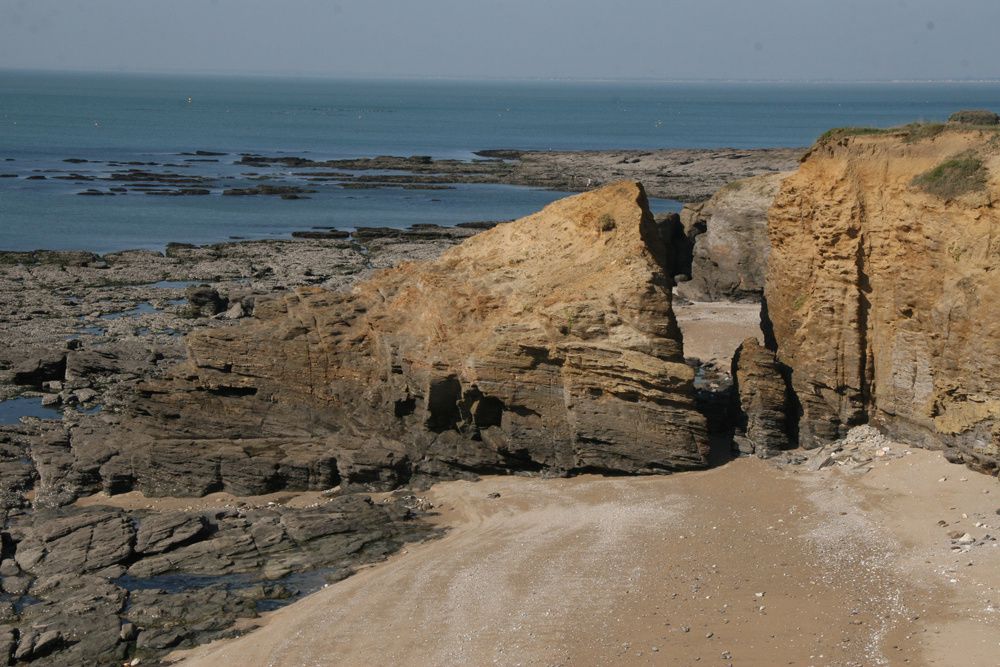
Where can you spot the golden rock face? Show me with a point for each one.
(547, 344)
(884, 294)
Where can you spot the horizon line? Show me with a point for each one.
(483, 79)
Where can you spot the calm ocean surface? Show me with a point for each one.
(46, 118)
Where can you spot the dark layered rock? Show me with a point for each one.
(283, 191)
(48, 366)
(74, 621)
(163, 532)
(8, 643)
(166, 620)
(767, 419)
(321, 234)
(88, 363)
(81, 543)
(679, 244)
(205, 301)
(102, 585)
(62, 477)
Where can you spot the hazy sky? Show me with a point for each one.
(664, 39)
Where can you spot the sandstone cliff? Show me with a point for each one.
(730, 240)
(547, 344)
(883, 290)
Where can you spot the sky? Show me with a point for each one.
(853, 40)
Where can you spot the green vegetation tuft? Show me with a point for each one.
(841, 132)
(915, 132)
(955, 176)
(910, 133)
(975, 117)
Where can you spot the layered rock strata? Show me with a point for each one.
(883, 288)
(766, 406)
(544, 345)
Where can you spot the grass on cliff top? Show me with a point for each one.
(910, 133)
(841, 132)
(955, 176)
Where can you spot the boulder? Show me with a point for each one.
(162, 532)
(8, 643)
(9, 568)
(205, 301)
(61, 477)
(86, 363)
(44, 367)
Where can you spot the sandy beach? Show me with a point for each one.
(747, 564)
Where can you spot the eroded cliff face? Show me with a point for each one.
(883, 289)
(547, 344)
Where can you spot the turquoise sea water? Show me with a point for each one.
(46, 118)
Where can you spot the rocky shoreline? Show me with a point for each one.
(234, 425)
(85, 579)
(686, 175)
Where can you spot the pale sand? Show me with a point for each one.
(768, 566)
(713, 330)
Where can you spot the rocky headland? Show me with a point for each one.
(545, 345)
(90, 578)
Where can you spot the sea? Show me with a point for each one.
(48, 118)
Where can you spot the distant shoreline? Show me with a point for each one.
(464, 79)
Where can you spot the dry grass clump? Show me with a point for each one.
(959, 175)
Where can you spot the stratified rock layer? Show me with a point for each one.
(547, 344)
(884, 298)
(730, 240)
(765, 404)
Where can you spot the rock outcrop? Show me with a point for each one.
(730, 240)
(766, 405)
(545, 345)
(883, 292)
(102, 586)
